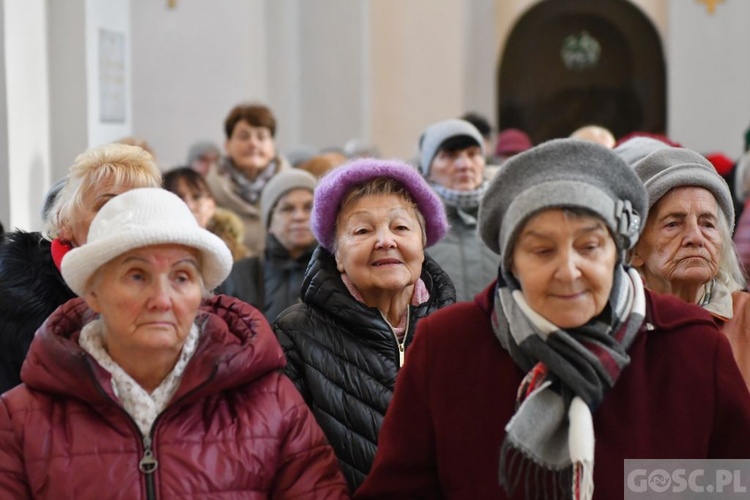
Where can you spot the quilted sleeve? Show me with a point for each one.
(308, 467)
(13, 482)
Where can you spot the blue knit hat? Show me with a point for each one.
(336, 184)
(436, 134)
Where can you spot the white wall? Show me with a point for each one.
(191, 64)
(418, 64)
(113, 16)
(25, 30)
(4, 170)
(68, 83)
(709, 76)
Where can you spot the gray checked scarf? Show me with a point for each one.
(464, 200)
(549, 441)
(248, 190)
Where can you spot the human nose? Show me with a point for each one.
(693, 234)
(462, 160)
(385, 239)
(159, 297)
(567, 267)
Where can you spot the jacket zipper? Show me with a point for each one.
(148, 462)
(148, 466)
(400, 345)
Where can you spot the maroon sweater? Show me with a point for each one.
(682, 396)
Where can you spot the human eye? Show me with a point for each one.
(540, 251)
(184, 275)
(286, 209)
(136, 275)
(709, 223)
(590, 246)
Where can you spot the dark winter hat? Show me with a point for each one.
(637, 148)
(337, 183)
(434, 136)
(668, 168)
(279, 185)
(562, 173)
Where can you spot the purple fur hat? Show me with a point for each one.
(337, 183)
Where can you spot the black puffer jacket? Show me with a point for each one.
(31, 288)
(271, 283)
(343, 357)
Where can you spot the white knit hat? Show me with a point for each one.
(139, 218)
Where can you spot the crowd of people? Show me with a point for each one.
(492, 319)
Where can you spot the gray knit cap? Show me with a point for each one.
(436, 134)
(637, 148)
(667, 168)
(279, 185)
(562, 173)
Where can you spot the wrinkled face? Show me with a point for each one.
(681, 243)
(76, 229)
(460, 170)
(379, 244)
(201, 204)
(147, 299)
(290, 221)
(565, 264)
(251, 148)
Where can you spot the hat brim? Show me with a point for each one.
(80, 264)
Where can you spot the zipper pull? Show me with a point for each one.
(401, 354)
(148, 463)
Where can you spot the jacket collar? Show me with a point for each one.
(236, 347)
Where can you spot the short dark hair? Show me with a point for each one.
(193, 180)
(256, 115)
(480, 122)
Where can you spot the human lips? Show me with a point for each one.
(386, 262)
(568, 295)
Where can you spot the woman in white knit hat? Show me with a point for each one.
(149, 380)
(565, 366)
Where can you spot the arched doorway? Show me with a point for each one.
(569, 63)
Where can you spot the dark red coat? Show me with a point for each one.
(682, 396)
(236, 427)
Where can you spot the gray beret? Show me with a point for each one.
(668, 168)
(637, 148)
(436, 134)
(279, 185)
(562, 173)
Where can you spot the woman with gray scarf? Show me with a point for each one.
(451, 158)
(557, 372)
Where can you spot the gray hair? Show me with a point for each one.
(730, 271)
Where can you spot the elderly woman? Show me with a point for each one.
(566, 365)
(366, 287)
(686, 248)
(144, 381)
(237, 179)
(272, 282)
(30, 283)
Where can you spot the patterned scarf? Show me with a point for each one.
(246, 189)
(461, 199)
(549, 441)
(140, 405)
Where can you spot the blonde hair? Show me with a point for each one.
(119, 164)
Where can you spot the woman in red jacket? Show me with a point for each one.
(566, 366)
(147, 388)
